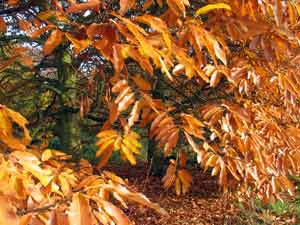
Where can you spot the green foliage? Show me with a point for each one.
(279, 212)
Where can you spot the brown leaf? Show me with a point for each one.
(113, 112)
(105, 157)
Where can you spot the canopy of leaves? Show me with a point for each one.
(230, 69)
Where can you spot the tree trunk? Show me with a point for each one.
(68, 126)
(155, 159)
(68, 123)
(155, 155)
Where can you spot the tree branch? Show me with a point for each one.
(18, 9)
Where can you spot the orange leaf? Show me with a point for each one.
(129, 51)
(177, 6)
(53, 41)
(105, 157)
(13, 2)
(8, 212)
(113, 112)
(57, 217)
(27, 61)
(41, 31)
(119, 86)
(24, 25)
(79, 211)
(182, 158)
(157, 24)
(79, 45)
(125, 5)
(117, 215)
(141, 83)
(91, 4)
(7, 63)
(2, 25)
(7, 117)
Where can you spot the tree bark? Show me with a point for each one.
(155, 155)
(68, 123)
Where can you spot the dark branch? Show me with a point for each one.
(18, 9)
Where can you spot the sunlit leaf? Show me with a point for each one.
(209, 7)
(53, 41)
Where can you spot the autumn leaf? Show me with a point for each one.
(8, 212)
(7, 118)
(141, 83)
(178, 6)
(113, 112)
(13, 2)
(31, 164)
(90, 4)
(79, 212)
(2, 25)
(53, 41)
(79, 45)
(125, 5)
(118, 216)
(157, 24)
(210, 7)
(6, 63)
(135, 112)
(37, 33)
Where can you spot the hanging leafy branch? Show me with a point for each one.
(44, 186)
(240, 57)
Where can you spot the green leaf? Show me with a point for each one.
(210, 7)
(67, 58)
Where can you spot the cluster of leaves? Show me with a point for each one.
(240, 115)
(45, 187)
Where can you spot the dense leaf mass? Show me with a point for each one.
(44, 187)
(229, 70)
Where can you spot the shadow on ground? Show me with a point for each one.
(203, 205)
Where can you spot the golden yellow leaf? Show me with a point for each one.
(177, 186)
(128, 153)
(79, 45)
(7, 118)
(210, 7)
